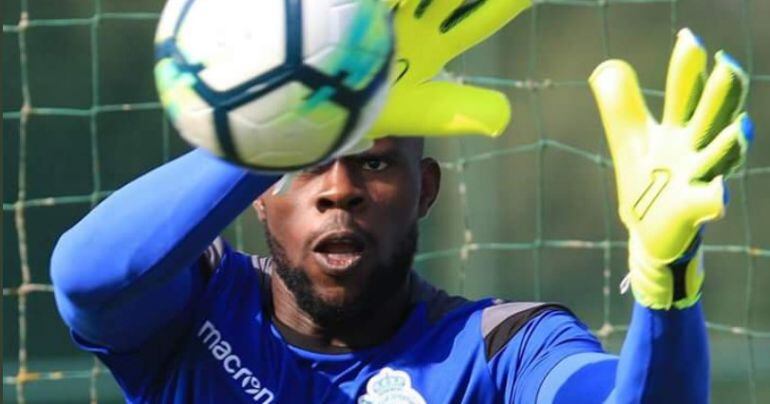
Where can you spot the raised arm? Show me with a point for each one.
(130, 267)
(670, 180)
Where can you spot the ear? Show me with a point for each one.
(259, 206)
(430, 177)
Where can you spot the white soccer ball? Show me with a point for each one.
(274, 85)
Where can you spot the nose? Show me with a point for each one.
(341, 189)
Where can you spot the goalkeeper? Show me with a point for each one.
(335, 313)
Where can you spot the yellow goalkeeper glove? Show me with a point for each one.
(430, 33)
(670, 175)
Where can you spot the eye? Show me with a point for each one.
(374, 164)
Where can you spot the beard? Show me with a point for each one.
(386, 278)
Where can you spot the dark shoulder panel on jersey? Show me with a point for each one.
(500, 322)
(212, 256)
(438, 302)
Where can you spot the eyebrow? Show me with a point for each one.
(386, 153)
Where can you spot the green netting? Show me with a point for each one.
(528, 216)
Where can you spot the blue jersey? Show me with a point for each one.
(178, 317)
(448, 350)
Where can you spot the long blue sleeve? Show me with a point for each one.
(664, 359)
(129, 268)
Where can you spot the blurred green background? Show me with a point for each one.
(528, 216)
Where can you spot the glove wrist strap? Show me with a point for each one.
(661, 285)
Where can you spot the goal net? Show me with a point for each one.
(528, 216)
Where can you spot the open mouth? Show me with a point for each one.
(339, 251)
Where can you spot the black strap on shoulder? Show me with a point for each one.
(501, 322)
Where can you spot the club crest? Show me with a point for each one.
(390, 386)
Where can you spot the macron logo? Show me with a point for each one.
(231, 363)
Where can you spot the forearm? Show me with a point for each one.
(133, 258)
(664, 359)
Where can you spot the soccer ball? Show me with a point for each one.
(274, 85)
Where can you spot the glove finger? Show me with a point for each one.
(407, 7)
(727, 151)
(723, 96)
(392, 4)
(416, 38)
(443, 109)
(622, 109)
(706, 201)
(435, 11)
(473, 22)
(686, 77)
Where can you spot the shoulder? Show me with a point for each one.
(233, 276)
(494, 321)
(503, 320)
(524, 341)
(512, 343)
(220, 259)
(439, 305)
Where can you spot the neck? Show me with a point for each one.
(370, 329)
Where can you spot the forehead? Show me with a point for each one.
(407, 146)
(407, 150)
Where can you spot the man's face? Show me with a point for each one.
(343, 234)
